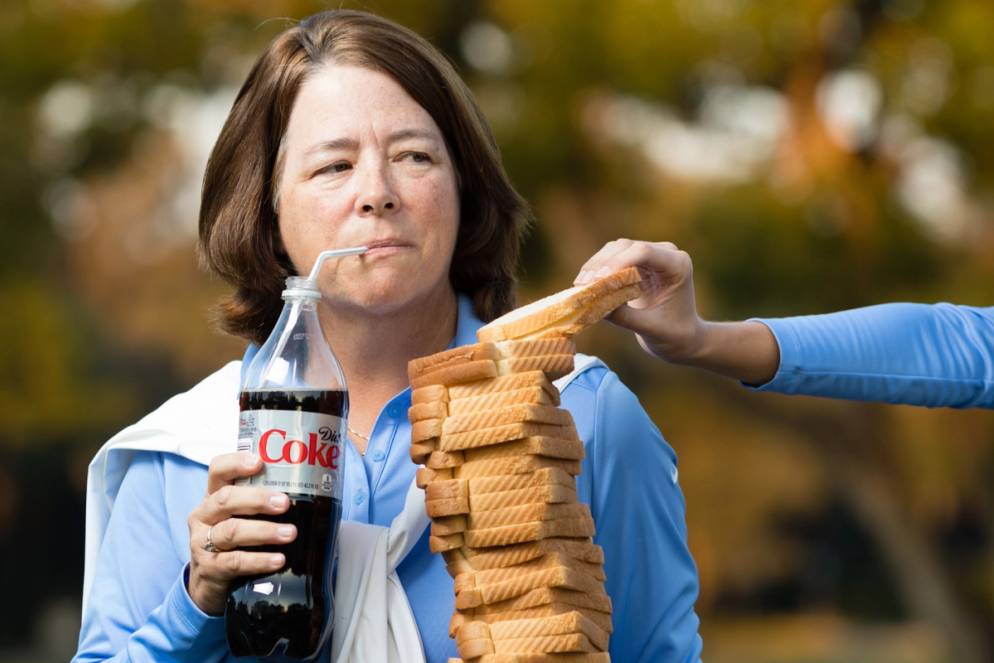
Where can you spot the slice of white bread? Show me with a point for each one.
(602, 619)
(592, 657)
(553, 447)
(536, 395)
(554, 366)
(566, 312)
(463, 354)
(508, 414)
(430, 410)
(470, 371)
(460, 564)
(526, 513)
(510, 465)
(471, 592)
(549, 494)
(471, 559)
(519, 533)
(548, 596)
(496, 434)
(472, 650)
(561, 624)
(540, 477)
(502, 383)
(489, 558)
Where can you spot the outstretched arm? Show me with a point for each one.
(940, 355)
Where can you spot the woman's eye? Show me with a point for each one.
(417, 157)
(337, 167)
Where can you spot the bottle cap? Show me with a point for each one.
(307, 286)
(299, 287)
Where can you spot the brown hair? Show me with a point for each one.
(239, 235)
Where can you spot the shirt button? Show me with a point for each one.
(359, 498)
(378, 456)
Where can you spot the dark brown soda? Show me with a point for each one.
(293, 621)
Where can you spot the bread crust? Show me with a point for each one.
(567, 312)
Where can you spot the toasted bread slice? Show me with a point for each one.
(535, 348)
(561, 624)
(447, 507)
(502, 383)
(542, 596)
(574, 642)
(430, 394)
(591, 657)
(426, 429)
(421, 451)
(526, 513)
(460, 356)
(539, 477)
(547, 494)
(491, 558)
(426, 475)
(448, 525)
(431, 410)
(469, 372)
(498, 467)
(548, 560)
(442, 543)
(602, 619)
(441, 460)
(542, 446)
(509, 414)
(451, 489)
(566, 312)
(536, 395)
(470, 593)
(554, 366)
(465, 560)
(482, 437)
(533, 531)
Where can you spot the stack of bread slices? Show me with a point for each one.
(500, 459)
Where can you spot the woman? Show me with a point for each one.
(939, 355)
(352, 130)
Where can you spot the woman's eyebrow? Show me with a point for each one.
(332, 145)
(353, 144)
(405, 134)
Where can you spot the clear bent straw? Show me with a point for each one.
(334, 253)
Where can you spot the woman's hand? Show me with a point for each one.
(211, 573)
(664, 318)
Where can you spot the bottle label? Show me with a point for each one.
(301, 451)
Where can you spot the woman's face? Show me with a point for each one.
(364, 164)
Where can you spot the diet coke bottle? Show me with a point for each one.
(293, 410)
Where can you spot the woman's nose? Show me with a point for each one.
(376, 195)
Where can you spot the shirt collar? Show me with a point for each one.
(466, 325)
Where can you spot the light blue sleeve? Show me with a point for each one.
(139, 609)
(630, 481)
(935, 355)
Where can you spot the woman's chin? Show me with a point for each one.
(382, 297)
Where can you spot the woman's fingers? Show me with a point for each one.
(663, 258)
(226, 468)
(241, 532)
(239, 501)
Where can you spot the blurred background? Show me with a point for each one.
(809, 155)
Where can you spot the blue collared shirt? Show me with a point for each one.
(139, 609)
(938, 355)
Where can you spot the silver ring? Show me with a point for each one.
(209, 543)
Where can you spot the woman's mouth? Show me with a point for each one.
(384, 248)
